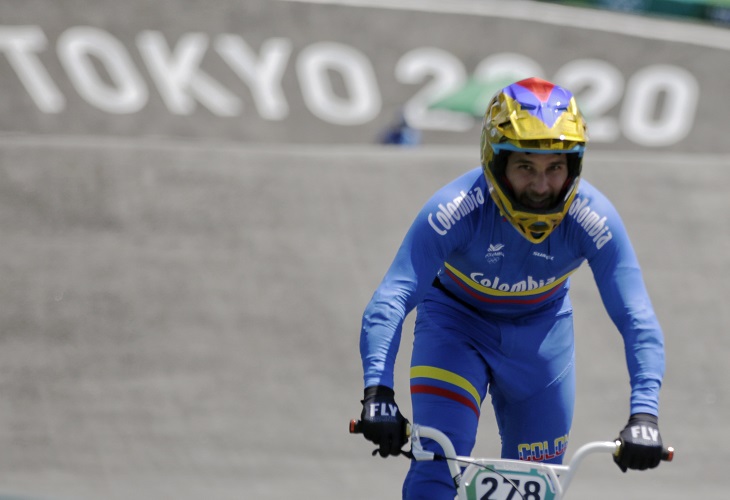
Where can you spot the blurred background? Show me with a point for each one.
(197, 202)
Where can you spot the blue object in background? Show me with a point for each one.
(400, 133)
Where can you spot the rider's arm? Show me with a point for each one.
(620, 282)
(409, 278)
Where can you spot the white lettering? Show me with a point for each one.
(583, 214)
(373, 408)
(635, 431)
(449, 212)
(178, 75)
(444, 219)
(507, 67)
(527, 284)
(543, 255)
(441, 232)
(592, 223)
(589, 221)
(597, 227)
(654, 434)
(655, 106)
(603, 240)
(439, 73)
(672, 90)
(455, 210)
(577, 205)
(393, 409)
(602, 86)
(362, 101)
(263, 76)
(76, 48)
(21, 45)
(383, 409)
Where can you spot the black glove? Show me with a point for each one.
(641, 443)
(382, 422)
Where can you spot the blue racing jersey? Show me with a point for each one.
(460, 237)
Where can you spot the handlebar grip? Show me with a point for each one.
(355, 427)
(667, 452)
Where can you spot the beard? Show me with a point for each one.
(543, 202)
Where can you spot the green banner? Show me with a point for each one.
(715, 11)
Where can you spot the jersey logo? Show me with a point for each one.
(543, 255)
(494, 253)
(591, 222)
(451, 213)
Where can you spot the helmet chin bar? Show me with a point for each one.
(533, 226)
(539, 235)
(535, 238)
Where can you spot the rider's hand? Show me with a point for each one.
(641, 443)
(381, 420)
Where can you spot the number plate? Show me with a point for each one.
(509, 485)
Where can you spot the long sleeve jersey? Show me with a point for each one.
(460, 236)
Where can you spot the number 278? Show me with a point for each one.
(531, 491)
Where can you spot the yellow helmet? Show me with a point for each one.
(532, 116)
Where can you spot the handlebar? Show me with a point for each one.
(667, 452)
(464, 471)
(356, 427)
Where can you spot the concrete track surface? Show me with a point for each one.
(180, 319)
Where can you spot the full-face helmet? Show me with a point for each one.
(532, 116)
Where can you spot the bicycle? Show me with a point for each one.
(504, 479)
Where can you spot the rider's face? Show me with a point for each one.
(537, 179)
